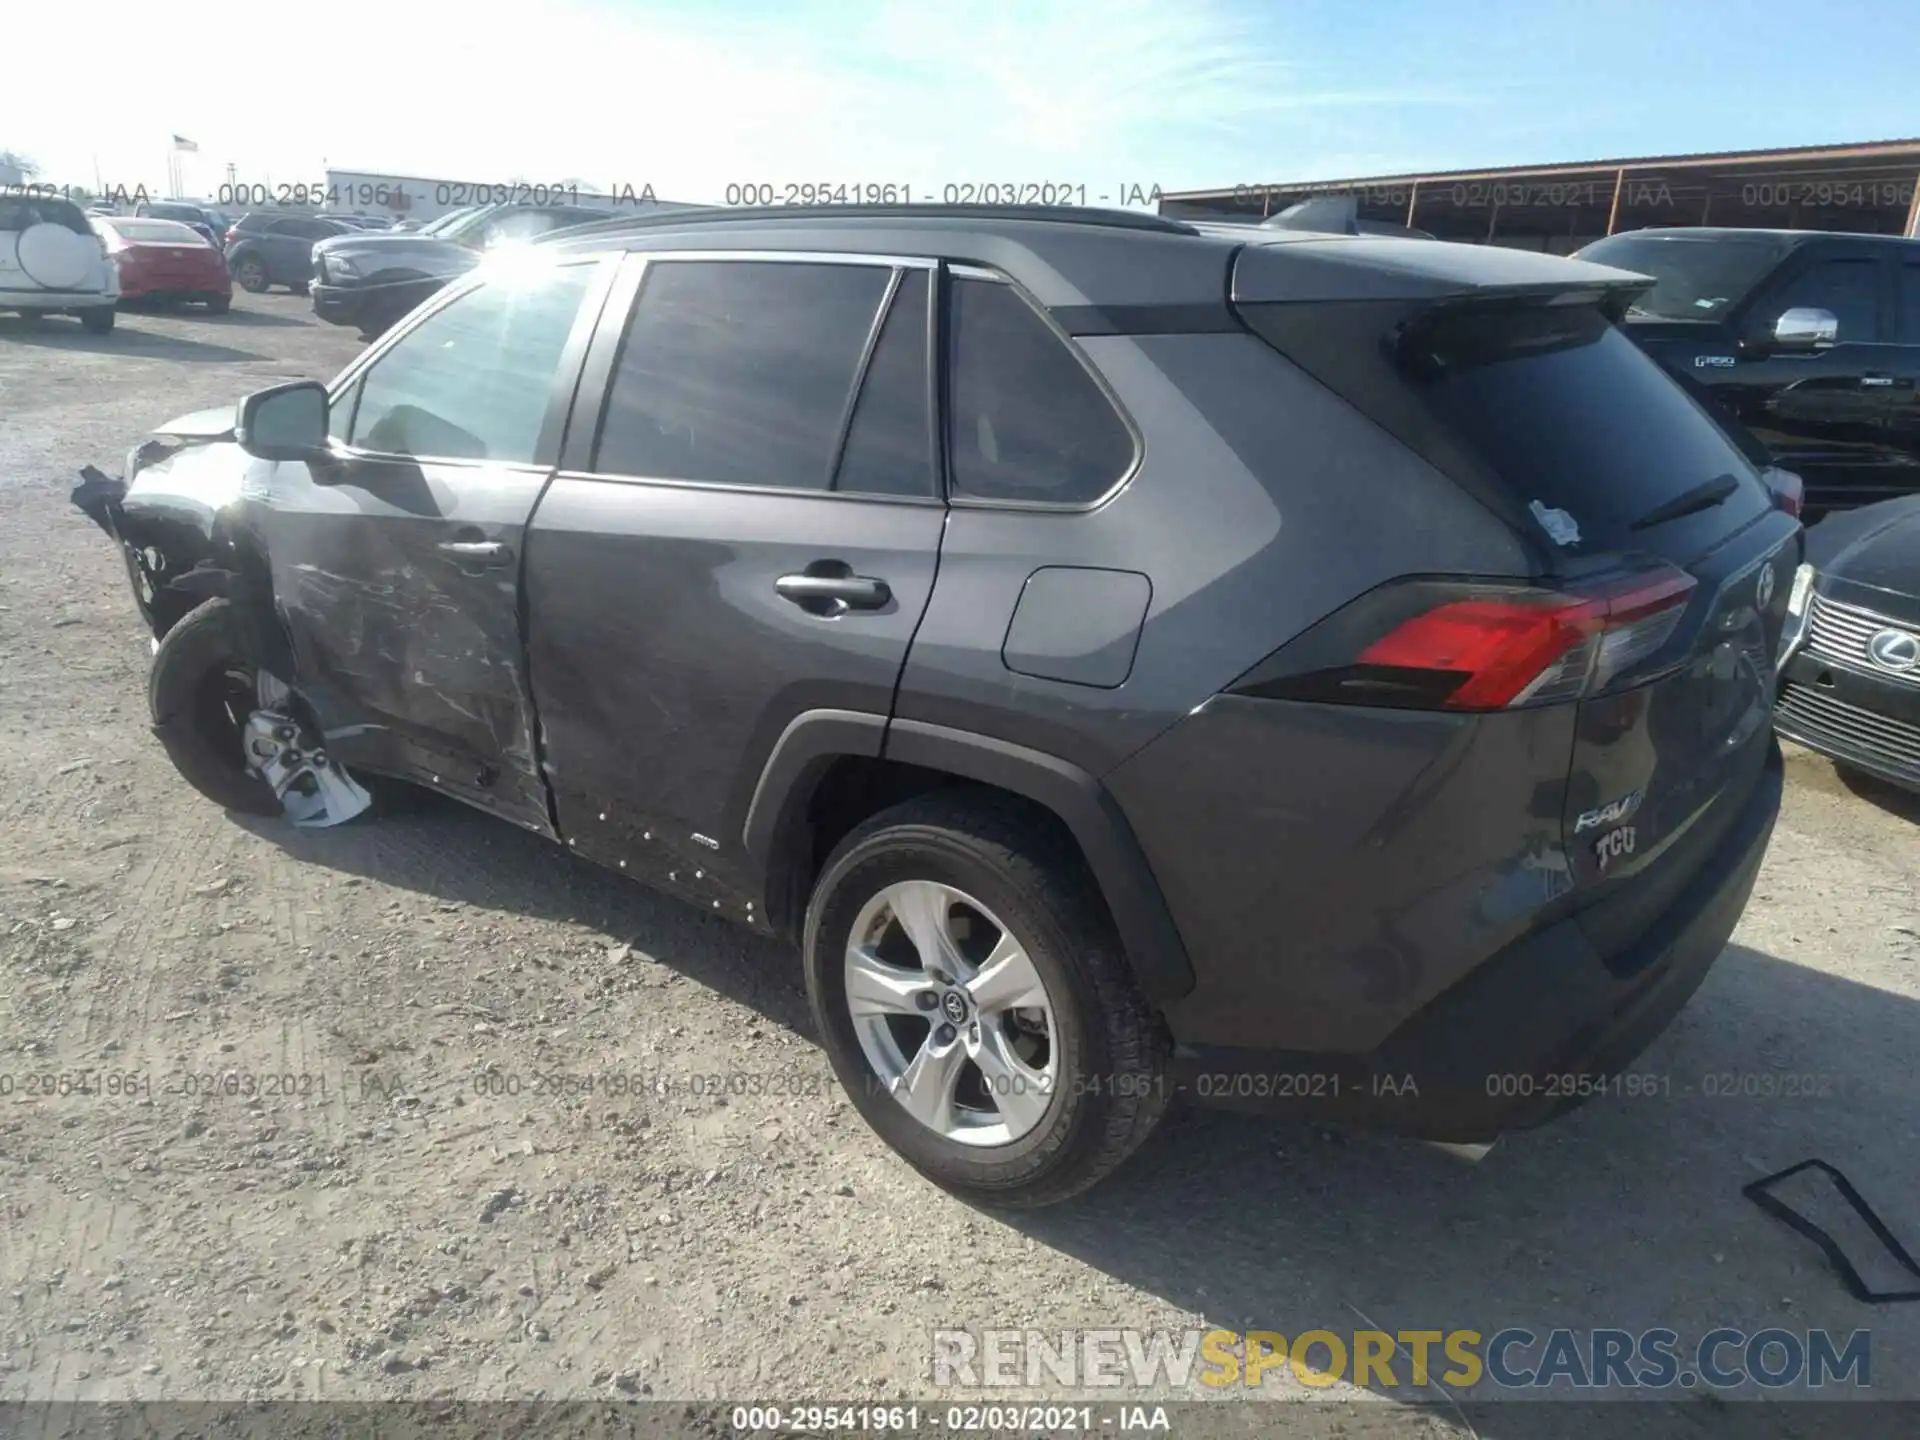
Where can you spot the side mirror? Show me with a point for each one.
(1805, 327)
(288, 422)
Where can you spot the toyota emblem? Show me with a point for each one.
(1894, 650)
(1763, 587)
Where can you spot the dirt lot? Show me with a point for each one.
(416, 1213)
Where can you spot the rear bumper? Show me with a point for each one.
(194, 289)
(1539, 1028)
(57, 300)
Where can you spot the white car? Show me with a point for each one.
(52, 262)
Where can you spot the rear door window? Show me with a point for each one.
(1573, 417)
(1028, 422)
(889, 445)
(739, 372)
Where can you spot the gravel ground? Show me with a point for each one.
(419, 1210)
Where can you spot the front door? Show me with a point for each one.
(752, 535)
(1822, 412)
(396, 560)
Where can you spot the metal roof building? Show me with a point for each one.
(1873, 188)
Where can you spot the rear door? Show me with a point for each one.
(1630, 478)
(746, 528)
(1903, 366)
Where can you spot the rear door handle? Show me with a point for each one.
(476, 554)
(833, 594)
(1876, 380)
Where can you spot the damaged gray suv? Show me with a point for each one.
(1326, 674)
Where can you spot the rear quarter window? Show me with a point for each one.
(1028, 422)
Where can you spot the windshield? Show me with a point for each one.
(1697, 277)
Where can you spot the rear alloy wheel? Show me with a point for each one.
(974, 1003)
(251, 274)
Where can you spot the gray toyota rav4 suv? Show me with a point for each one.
(1317, 673)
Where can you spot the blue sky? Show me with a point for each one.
(691, 97)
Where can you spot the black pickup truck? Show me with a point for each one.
(1810, 339)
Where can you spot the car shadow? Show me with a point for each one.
(56, 334)
(439, 848)
(257, 319)
(1892, 798)
(1626, 1213)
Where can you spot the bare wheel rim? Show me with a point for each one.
(952, 1014)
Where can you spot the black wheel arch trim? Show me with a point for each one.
(812, 741)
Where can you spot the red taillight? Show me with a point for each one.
(1536, 646)
(1434, 644)
(1498, 648)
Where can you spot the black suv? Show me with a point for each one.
(265, 249)
(1328, 673)
(1809, 339)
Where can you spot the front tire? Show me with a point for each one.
(200, 693)
(251, 274)
(973, 999)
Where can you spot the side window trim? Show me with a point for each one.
(595, 391)
(1120, 411)
(560, 397)
(852, 400)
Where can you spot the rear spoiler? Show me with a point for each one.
(1297, 267)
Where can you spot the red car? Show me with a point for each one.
(166, 260)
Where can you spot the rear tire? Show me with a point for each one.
(1104, 1052)
(98, 320)
(219, 304)
(194, 691)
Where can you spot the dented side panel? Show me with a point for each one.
(397, 581)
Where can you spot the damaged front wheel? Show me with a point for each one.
(231, 731)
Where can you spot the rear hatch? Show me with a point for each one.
(1660, 550)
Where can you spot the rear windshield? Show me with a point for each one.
(1576, 418)
(21, 212)
(1542, 411)
(163, 232)
(1696, 277)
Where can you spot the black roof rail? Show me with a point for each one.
(707, 215)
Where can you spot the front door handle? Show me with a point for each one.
(476, 554)
(831, 595)
(1876, 380)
